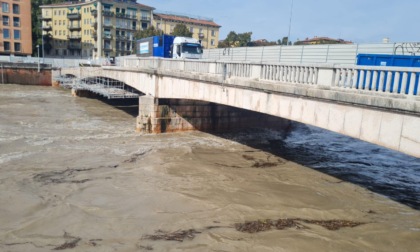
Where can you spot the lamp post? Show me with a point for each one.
(290, 22)
(37, 47)
(42, 47)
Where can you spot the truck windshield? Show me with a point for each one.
(191, 48)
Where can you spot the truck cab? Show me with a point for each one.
(186, 48)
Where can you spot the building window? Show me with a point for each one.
(192, 29)
(6, 46)
(212, 42)
(5, 8)
(16, 9)
(5, 20)
(213, 33)
(16, 21)
(16, 34)
(158, 26)
(6, 33)
(17, 47)
(172, 28)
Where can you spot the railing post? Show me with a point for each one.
(256, 71)
(412, 84)
(326, 76)
(224, 71)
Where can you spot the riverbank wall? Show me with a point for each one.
(25, 73)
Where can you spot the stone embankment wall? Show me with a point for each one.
(25, 74)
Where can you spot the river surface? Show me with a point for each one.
(74, 175)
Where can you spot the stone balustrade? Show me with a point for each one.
(392, 80)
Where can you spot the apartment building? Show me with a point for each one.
(93, 28)
(15, 28)
(203, 29)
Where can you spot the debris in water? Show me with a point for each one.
(68, 244)
(265, 225)
(179, 235)
(334, 224)
(280, 224)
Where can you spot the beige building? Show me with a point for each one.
(15, 28)
(203, 29)
(93, 28)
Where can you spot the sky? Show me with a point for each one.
(359, 21)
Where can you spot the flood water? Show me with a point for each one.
(74, 175)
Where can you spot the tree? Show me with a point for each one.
(149, 32)
(181, 30)
(285, 41)
(236, 40)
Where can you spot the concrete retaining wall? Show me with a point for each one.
(25, 74)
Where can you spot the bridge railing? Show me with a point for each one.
(393, 80)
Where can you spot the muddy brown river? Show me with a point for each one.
(75, 176)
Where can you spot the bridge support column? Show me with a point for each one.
(172, 115)
(147, 112)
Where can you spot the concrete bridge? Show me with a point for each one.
(380, 105)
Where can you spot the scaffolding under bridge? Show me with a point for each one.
(107, 87)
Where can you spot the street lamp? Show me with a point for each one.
(37, 47)
(290, 22)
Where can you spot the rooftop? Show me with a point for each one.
(184, 18)
(82, 2)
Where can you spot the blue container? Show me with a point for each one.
(156, 46)
(391, 61)
(388, 60)
(162, 45)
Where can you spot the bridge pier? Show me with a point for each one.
(173, 115)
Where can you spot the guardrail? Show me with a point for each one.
(391, 80)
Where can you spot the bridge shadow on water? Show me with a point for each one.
(129, 106)
(380, 170)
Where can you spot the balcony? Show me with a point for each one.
(47, 28)
(133, 28)
(107, 36)
(74, 46)
(74, 37)
(107, 13)
(45, 18)
(74, 27)
(145, 18)
(94, 25)
(126, 16)
(120, 37)
(108, 26)
(107, 48)
(73, 16)
(94, 12)
(95, 35)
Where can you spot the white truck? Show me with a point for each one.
(186, 48)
